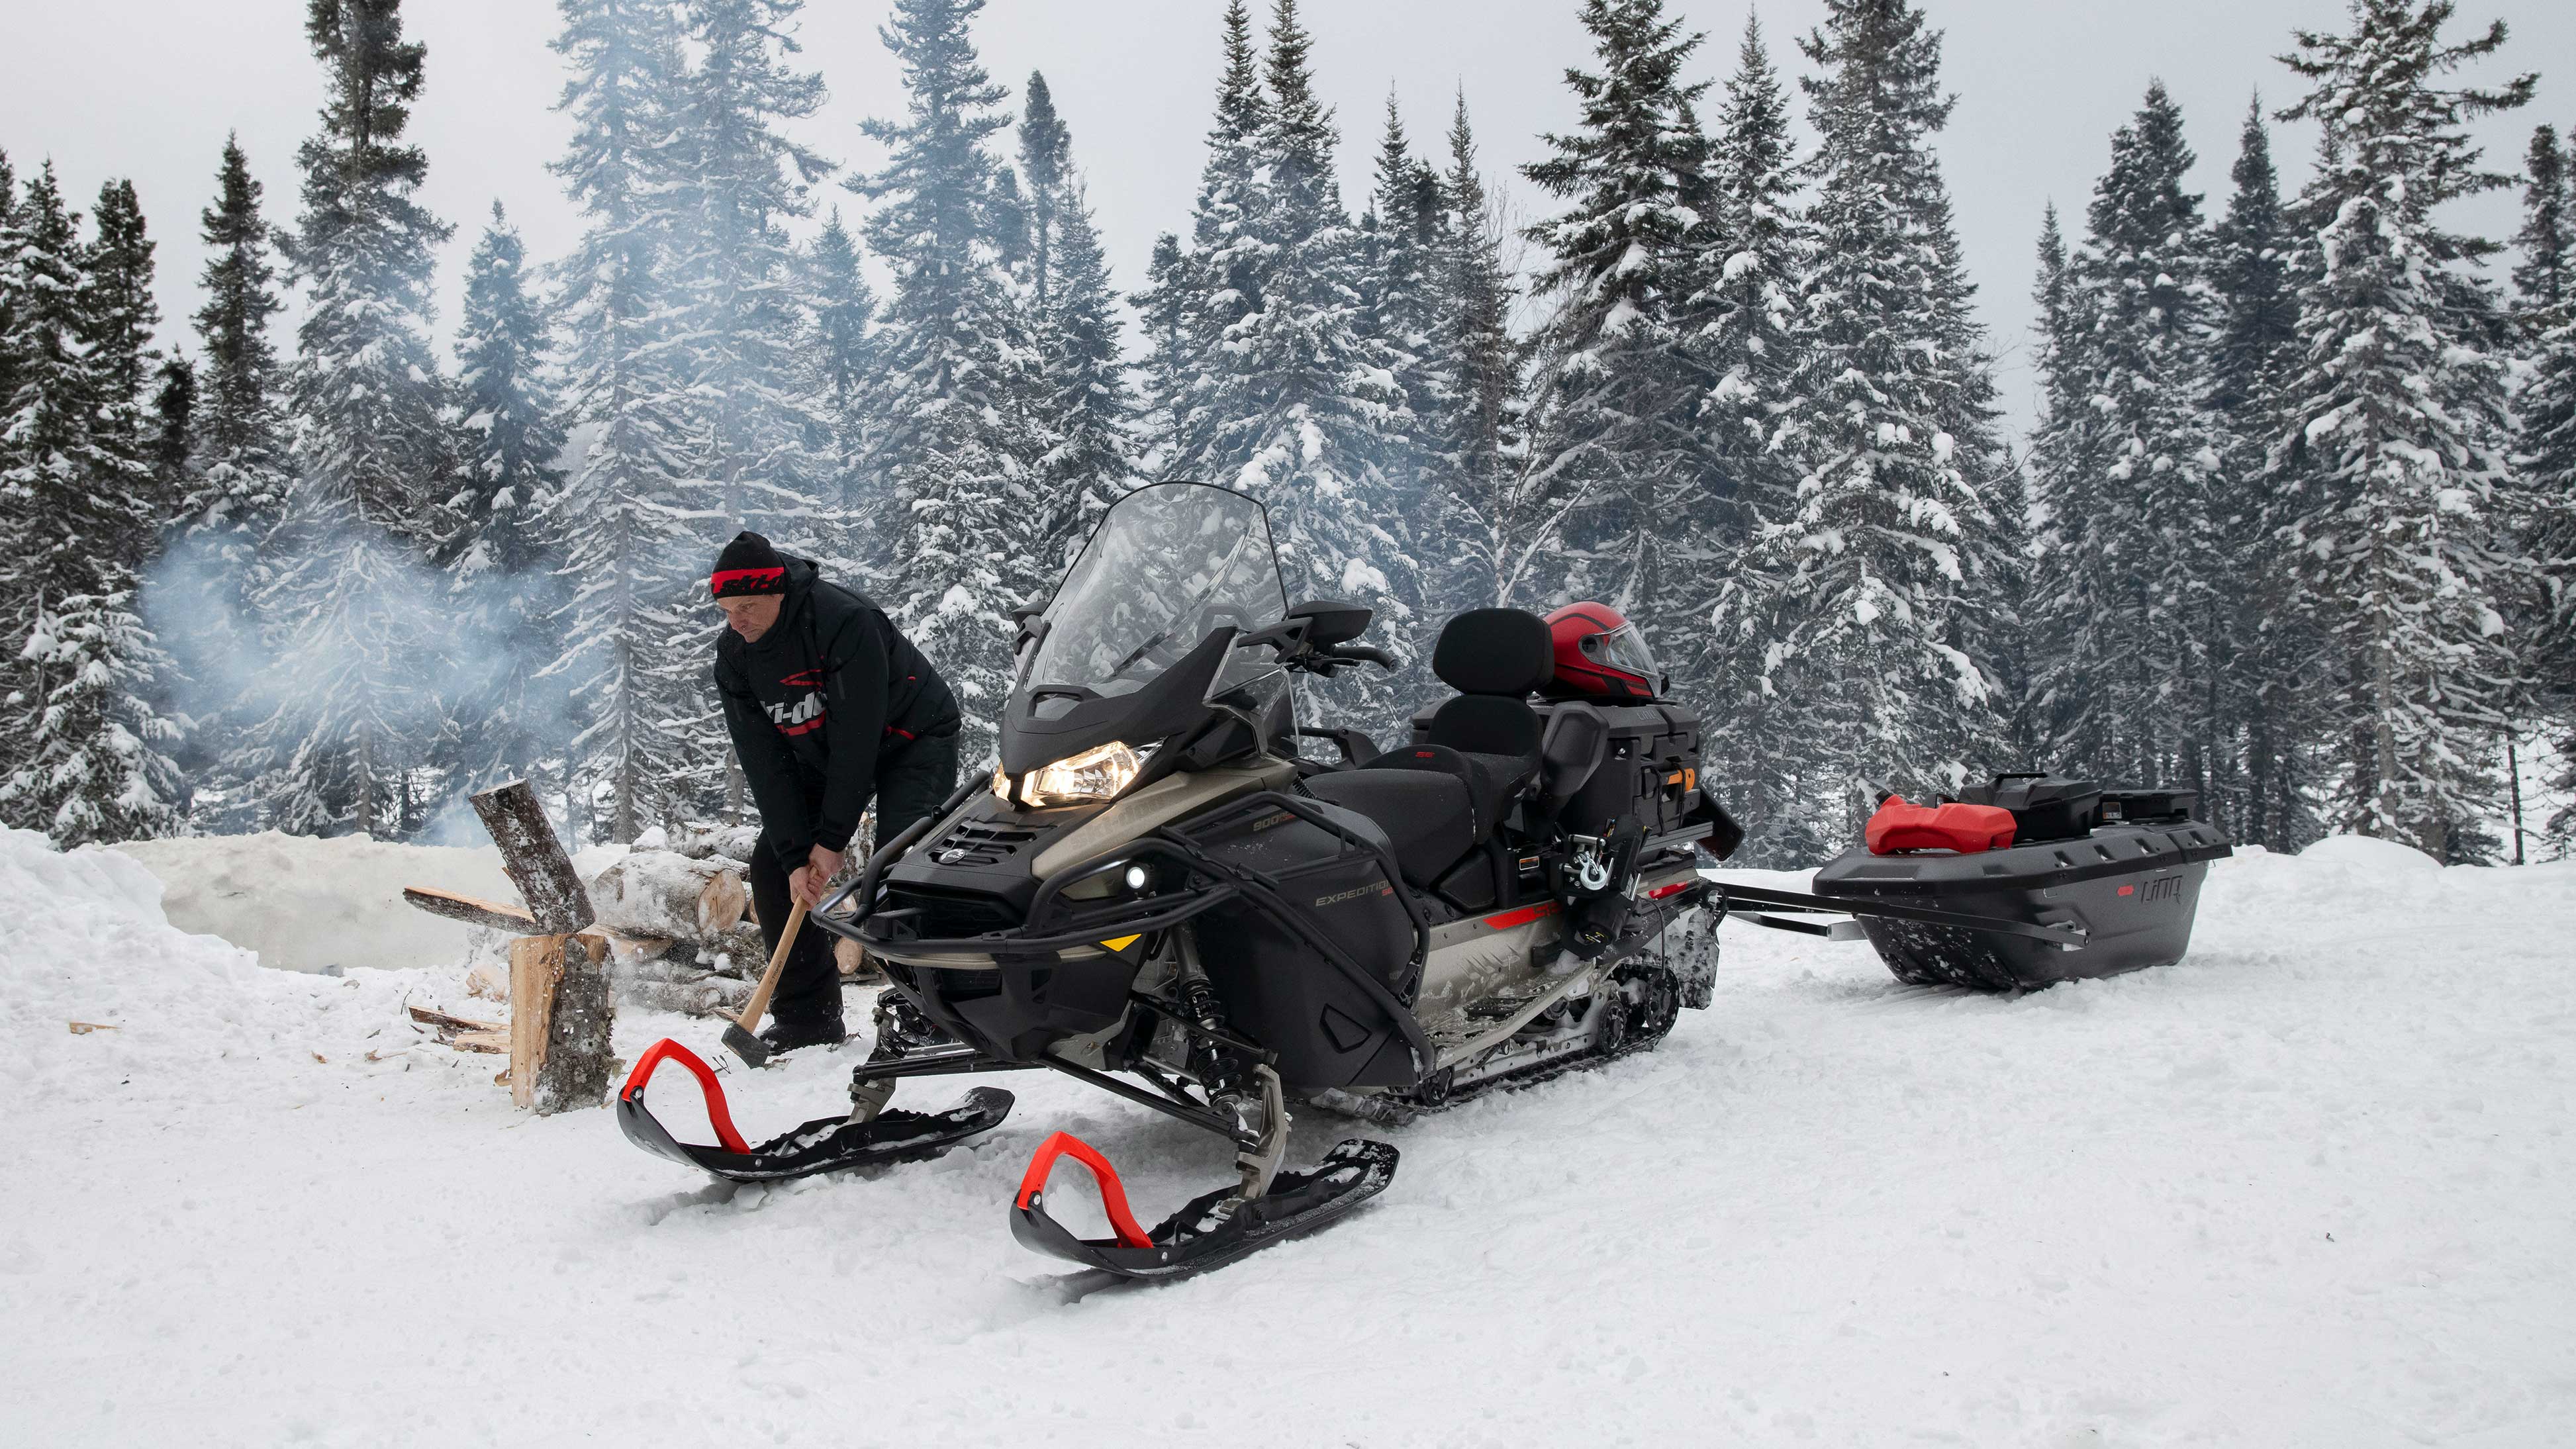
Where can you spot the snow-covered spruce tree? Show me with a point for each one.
(119, 316)
(237, 485)
(1399, 238)
(2545, 296)
(1088, 400)
(1046, 168)
(86, 761)
(174, 427)
(8, 257)
(2273, 639)
(1302, 407)
(1878, 686)
(1477, 520)
(2544, 274)
(2127, 599)
(2397, 418)
(1748, 343)
(501, 562)
(511, 434)
(1165, 308)
(955, 440)
(634, 631)
(839, 357)
(241, 443)
(1618, 380)
(1218, 280)
(373, 460)
(738, 299)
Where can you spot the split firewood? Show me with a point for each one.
(490, 982)
(496, 1042)
(498, 915)
(449, 1027)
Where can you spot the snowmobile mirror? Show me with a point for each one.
(1331, 621)
(1021, 614)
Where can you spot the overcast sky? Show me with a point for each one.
(147, 89)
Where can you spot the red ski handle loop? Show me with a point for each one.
(1113, 1194)
(717, 1113)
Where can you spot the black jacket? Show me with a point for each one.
(813, 704)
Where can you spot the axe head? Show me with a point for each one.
(743, 1044)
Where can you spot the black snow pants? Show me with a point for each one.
(911, 782)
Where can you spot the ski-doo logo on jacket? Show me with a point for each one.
(797, 716)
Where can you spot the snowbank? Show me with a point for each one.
(2308, 1187)
(176, 1015)
(305, 904)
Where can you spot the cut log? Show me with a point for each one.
(851, 957)
(561, 1017)
(660, 894)
(534, 859)
(495, 914)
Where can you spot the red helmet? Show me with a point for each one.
(1598, 652)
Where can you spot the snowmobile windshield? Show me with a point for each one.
(1169, 564)
(1624, 649)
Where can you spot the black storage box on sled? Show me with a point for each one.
(2124, 866)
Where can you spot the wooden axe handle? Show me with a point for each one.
(752, 1009)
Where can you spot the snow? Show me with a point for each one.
(305, 904)
(2307, 1187)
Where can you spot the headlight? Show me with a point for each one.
(1088, 778)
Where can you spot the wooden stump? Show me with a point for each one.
(561, 1016)
(560, 1008)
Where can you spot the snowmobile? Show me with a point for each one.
(1155, 894)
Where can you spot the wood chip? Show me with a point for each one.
(84, 1028)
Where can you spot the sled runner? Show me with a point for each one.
(1156, 896)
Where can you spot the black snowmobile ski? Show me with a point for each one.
(1213, 1230)
(825, 1144)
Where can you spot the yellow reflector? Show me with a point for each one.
(1122, 943)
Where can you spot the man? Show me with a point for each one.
(827, 704)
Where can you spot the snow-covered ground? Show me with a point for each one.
(308, 905)
(2314, 1186)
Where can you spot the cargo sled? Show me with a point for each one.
(2121, 869)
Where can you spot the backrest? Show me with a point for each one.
(1495, 651)
(1486, 724)
(1494, 658)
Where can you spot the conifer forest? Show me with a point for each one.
(2294, 526)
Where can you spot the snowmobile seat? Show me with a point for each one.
(1442, 795)
(1428, 816)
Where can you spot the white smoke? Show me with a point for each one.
(453, 671)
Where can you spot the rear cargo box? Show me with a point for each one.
(1649, 769)
(2132, 887)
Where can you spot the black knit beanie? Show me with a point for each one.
(748, 565)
